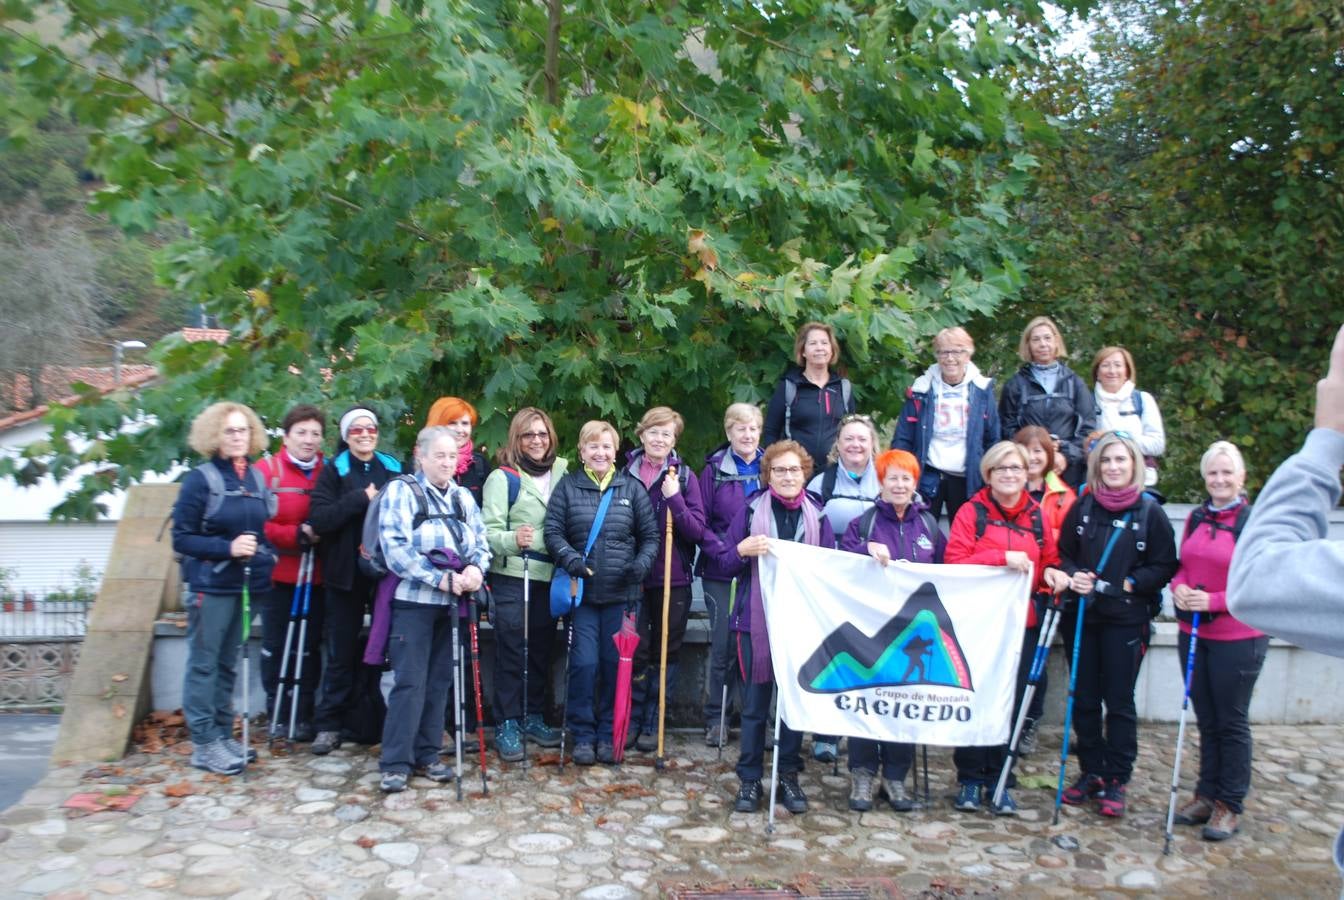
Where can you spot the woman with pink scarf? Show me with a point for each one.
(783, 511)
(460, 417)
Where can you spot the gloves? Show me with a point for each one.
(576, 569)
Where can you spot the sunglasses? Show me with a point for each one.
(361, 430)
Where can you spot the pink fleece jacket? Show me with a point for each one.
(1206, 555)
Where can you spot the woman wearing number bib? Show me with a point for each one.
(1002, 526)
(899, 526)
(1120, 598)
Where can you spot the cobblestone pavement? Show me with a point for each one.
(305, 826)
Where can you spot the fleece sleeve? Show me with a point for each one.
(1286, 572)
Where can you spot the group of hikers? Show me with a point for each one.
(392, 558)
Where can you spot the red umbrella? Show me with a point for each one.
(626, 640)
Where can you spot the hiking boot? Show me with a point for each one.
(1087, 787)
(584, 755)
(749, 795)
(791, 794)
(969, 796)
(714, 735)
(1222, 823)
(825, 751)
(325, 742)
(1026, 743)
(393, 782)
(236, 748)
(1196, 811)
(215, 757)
(647, 742)
(303, 732)
(606, 753)
(896, 795)
(1006, 806)
(538, 732)
(436, 771)
(1111, 803)
(862, 786)
(509, 741)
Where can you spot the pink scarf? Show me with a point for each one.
(763, 522)
(464, 457)
(1116, 499)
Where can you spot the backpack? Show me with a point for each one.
(866, 523)
(372, 562)
(791, 394)
(1200, 516)
(1087, 503)
(828, 479)
(983, 521)
(214, 483)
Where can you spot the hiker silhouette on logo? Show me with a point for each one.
(915, 648)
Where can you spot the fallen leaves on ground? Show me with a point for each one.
(181, 789)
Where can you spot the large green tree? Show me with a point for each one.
(1194, 212)
(589, 206)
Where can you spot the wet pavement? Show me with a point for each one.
(303, 826)
(25, 744)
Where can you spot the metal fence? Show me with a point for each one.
(31, 618)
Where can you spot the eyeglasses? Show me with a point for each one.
(950, 354)
(1011, 470)
(1123, 434)
(666, 434)
(786, 470)
(237, 432)
(361, 430)
(535, 435)
(856, 417)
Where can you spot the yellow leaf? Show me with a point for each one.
(549, 223)
(703, 277)
(747, 277)
(260, 299)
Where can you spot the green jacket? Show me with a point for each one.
(501, 522)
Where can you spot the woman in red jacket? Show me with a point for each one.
(1002, 526)
(1229, 655)
(291, 474)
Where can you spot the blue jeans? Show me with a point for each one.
(420, 647)
(214, 630)
(722, 667)
(592, 673)
(755, 720)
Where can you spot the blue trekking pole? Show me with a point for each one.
(1117, 528)
(1180, 732)
(1048, 626)
(303, 644)
(280, 685)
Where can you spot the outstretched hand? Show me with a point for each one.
(1330, 389)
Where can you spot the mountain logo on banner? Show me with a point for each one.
(917, 646)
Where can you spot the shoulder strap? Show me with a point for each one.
(981, 519)
(597, 520)
(790, 394)
(1037, 526)
(828, 483)
(1193, 521)
(846, 394)
(514, 479)
(866, 523)
(215, 483)
(1137, 397)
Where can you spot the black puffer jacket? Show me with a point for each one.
(625, 546)
(1082, 541)
(1068, 412)
(815, 420)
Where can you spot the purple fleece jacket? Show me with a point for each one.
(906, 537)
(688, 521)
(722, 501)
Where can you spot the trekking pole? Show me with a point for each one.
(457, 687)
(723, 697)
(1180, 732)
(303, 643)
(774, 774)
(247, 672)
(925, 751)
(1048, 626)
(569, 655)
(274, 727)
(527, 584)
(660, 761)
(1068, 715)
(476, 681)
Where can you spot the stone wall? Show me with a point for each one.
(35, 671)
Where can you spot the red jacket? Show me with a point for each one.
(989, 550)
(1055, 504)
(292, 487)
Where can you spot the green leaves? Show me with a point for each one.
(440, 198)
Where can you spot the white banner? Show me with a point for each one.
(910, 652)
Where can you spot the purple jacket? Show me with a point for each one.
(725, 496)
(907, 537)
(724, 553)
(688, 521)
